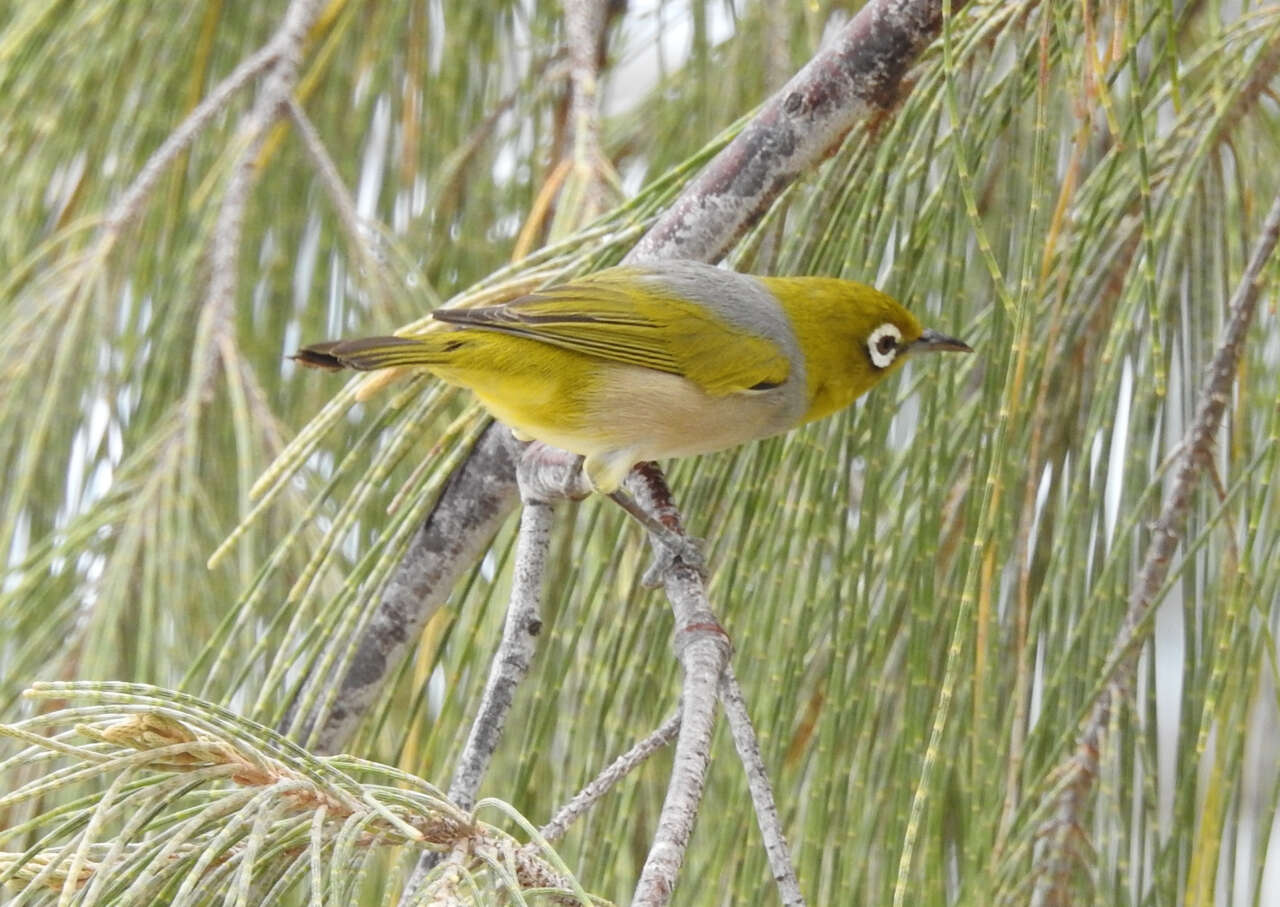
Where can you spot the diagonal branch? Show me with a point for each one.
(280, 55)
(860, 75)
(1056, 857)
(618, 769)
(473, 505)
(130, 203)
(214, 336)
(747, 744)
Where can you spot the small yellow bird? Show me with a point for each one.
(665, 359)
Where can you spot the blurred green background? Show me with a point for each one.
(922, 591)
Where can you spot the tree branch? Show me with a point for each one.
(584, 29)
(860, 75)
(748, 747)
(130, 203)
(1057, 854)
(703, 649)
(214, 337)
(618, 769)
(477, 500)
(541, 485)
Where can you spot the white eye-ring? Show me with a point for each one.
(882, 345)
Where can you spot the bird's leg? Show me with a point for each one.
(552, 474)
(670, 542)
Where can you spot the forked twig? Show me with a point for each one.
(604, 782)
(129, 205)
(703, 649)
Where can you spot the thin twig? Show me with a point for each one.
(703, 650)
(514, 656)
(214, 335)
(539, 490)
(703, 658)
(602, 783)
(215, 317)
(130, 203)
(748, 747)
(1057, 855)
(357, 229)
(515, 652)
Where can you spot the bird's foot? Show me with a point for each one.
(672, 549)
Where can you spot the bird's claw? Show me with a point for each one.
(673, 549)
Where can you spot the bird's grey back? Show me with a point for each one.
(740, 299)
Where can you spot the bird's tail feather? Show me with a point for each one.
(369, 353)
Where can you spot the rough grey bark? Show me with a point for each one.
(478, 498)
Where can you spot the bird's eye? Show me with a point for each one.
(882, 345)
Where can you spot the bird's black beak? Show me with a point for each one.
(933, 342)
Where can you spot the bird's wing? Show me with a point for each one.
(601, 316)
